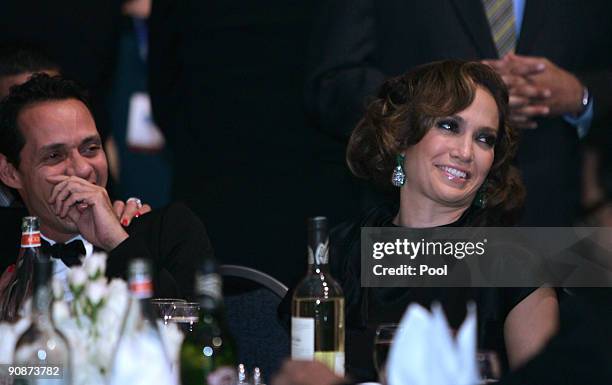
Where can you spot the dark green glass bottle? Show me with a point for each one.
(208, 354)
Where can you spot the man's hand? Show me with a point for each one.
(305, 373)
(526, 100)
(88, 206)
(565, 89)
(128, 210)
(538, 87)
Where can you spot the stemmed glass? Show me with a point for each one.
(382, 344)
(185, 315)
(165, 307)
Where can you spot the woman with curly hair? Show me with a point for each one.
(439, 136)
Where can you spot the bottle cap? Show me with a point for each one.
(317, 224)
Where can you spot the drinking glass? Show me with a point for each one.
(185, 315)
(382, 343)
(488, 366)
(165, 307)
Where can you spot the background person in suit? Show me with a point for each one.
(50, 152)
(559, 78)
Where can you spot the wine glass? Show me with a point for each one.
(382, 343)
(488, 366)
(165, 307)
(185, 315)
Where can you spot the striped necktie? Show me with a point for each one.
(500, 14)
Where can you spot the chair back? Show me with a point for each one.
(251, 300)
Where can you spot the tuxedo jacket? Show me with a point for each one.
(173, 239)
(356, 44)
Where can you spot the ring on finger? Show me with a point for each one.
(136, 200)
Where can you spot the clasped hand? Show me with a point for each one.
(538, 88)
(88, 206)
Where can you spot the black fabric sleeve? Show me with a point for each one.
(342, 73)
(174, 239)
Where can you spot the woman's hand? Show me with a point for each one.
(132, 208)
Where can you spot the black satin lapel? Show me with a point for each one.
(534, 18)
(474, 20)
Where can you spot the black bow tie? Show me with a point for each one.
(69, 253)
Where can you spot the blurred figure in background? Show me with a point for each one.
(80, 36)
(597, 179)
(141, 167)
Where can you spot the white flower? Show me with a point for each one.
(95, 291)
(61, 312)
(95, 264)
(118, 291)
(77, 277)
(57, 287)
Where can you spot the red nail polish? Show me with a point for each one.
(124, 222)
(137, 214)
(11, 268)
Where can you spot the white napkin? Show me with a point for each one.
(9, 334)
(424, 352)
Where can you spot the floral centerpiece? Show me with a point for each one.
(90, 311)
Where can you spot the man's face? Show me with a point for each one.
(60, 139)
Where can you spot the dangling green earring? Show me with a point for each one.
(480, 200)
(398, 178)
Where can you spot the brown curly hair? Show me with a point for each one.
(407, 106)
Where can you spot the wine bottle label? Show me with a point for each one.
(333, 360)
(29, 240)
(208, 285)
(320, 256)
(302, 338)
(141, 288)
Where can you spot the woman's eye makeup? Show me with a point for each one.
(448, 125)
(488, 139)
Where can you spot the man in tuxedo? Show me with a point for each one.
(554, 56)
(51, 153)
(17, 64)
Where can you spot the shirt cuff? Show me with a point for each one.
(582, 122)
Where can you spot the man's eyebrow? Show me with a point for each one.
(91, 139)
(52, 147)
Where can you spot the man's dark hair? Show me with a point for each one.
(40, 88)
(16, 59)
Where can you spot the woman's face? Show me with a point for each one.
(453, 159)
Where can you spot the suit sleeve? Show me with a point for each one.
(342, 72)
(599, 83)
(174, 239)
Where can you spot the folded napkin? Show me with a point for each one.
(9, 334)
(424, 352)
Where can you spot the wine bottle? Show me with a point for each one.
(42, 346)
(20, 288)
(208, 354)
(140, 352)
(317, 322)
